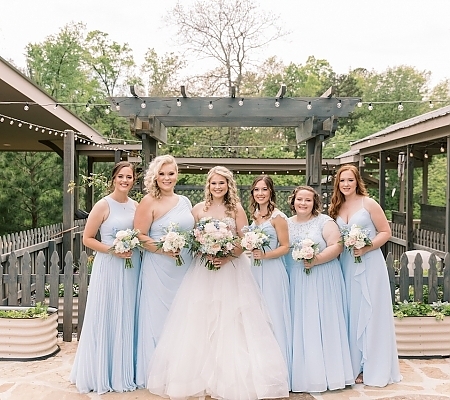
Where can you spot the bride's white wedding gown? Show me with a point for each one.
(218, 340)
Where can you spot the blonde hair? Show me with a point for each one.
(150, 184)
(337, 199)
(231, 198)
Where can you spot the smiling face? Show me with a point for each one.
(261, 193)
(218, 186)
(347, 183)
(124, 180)
(167, 177)
(304, 203)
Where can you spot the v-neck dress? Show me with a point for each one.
(371, 329)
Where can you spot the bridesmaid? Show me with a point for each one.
(320, 351)
(160, 277)
(104, 359)
(371, 325)
(271, 276)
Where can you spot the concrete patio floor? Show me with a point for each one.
(48, 380)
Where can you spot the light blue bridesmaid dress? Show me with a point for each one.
(159, 282)
(273, 281)
(320, 350)
(104, 359)
(370, 319)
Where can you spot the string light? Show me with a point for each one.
(107, 110)
(442, 149)
(431, 105)
(359, 103)
(178, 103)
(87, 107)
(241, 102)
(210, 105)
(425, 154)
(26, 107)
(309, 106)
(117, 107)
(143, 104)
(277, 103)
(370, 107)
(400, 106)
(411, 153)
(339, 104)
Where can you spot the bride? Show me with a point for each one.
(217, 340)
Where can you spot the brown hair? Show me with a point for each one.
(317, 206)
(231, 198)
(115, 171)
(337, 199)
(272, 200)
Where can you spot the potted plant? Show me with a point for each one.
(28, 333)
(75, 289)
(422, 329)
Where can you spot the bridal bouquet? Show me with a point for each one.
(212, 237)
(126, 240)
(305, 250)
(355, 238)
(174, 240)
(255, 238)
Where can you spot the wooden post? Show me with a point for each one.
(409, 198)
(149, 149)
(425, 180)
(68, 198)
(447, 208)
(382, 188)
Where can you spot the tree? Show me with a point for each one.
(230, 33)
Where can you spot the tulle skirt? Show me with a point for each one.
(218, 340)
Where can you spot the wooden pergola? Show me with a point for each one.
(314, 118)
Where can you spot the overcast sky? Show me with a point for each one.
(374, 34)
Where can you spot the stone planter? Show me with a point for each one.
(25, 339)
(422, 336)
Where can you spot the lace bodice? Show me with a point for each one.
(311, 229)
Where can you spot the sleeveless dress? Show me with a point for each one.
(158, 284)
(104, 359)
(320, 350)
(217, 340)
(273, 281)
(370, 318)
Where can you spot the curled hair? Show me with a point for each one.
(115, 171)
(272, 200)
(150, 184)
(337, 199)
(231, 198)
(317, 202)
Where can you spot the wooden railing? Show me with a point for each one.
(24, 287)
(434, 242)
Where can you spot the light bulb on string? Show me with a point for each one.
(442, 149)
(42, 130)
(30, 126)
(339, 104)
(36, 129)
(20, 125)
(210, 105)
(55, 106)
(309, 106)
(400, 106)
(2, 119)
(11, 122)
(277, 103)
(26, 107)
(143, 104)
(359, 103)
(178, 103)
(117, 107)
(107, 110)
(370, 107)
(425, 154)
(411, 153)
(241, 102)
(431, 105)
(388, 158)
(87, 107)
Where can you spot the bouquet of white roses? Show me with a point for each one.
(174, 240)
(212, 237)
(355, 238)
(126, 240)
(305, 250)
(255, 238)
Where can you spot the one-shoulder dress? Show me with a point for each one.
(158, 284)
(217, 340)
(273, 281)
(104, 359)
(370, 318)
(320, 350)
